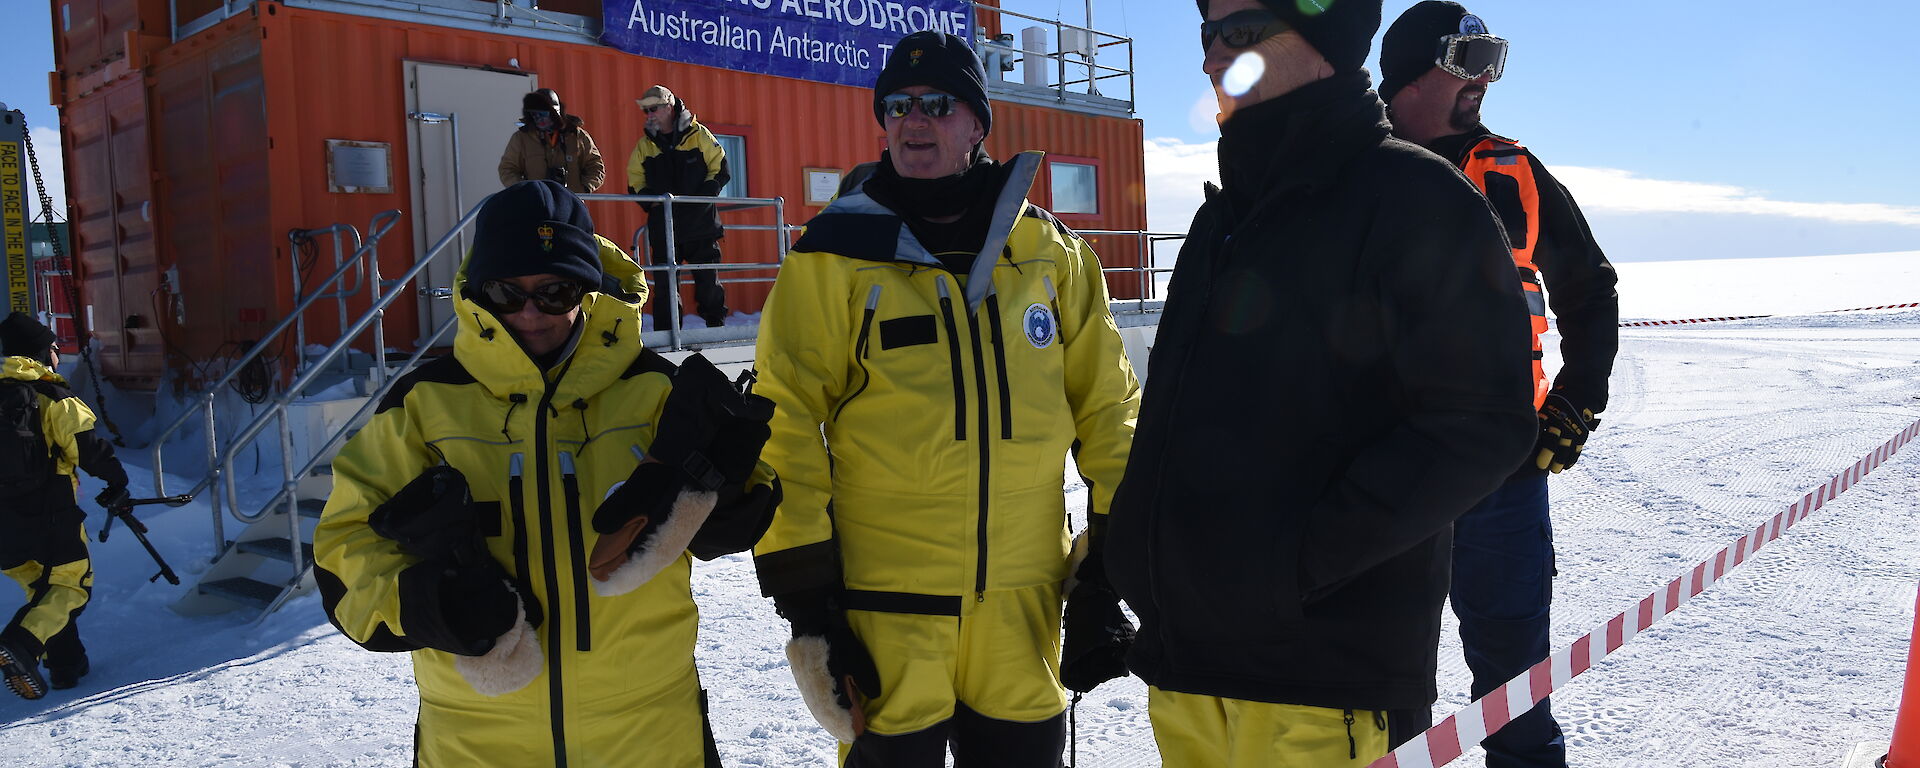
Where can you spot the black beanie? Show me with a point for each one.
(23, 336)
(1412, 44)
(1341, 30)
(532, 228)
(936, 60)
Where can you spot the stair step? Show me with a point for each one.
(242, 590)
(279, 549)
(310, 508)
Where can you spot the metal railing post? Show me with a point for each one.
(673, 276)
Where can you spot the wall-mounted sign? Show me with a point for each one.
(359, 167)
(822, 185)
(829, 41)
(13, 220)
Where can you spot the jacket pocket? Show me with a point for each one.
(860, 349)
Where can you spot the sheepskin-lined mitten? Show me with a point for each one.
(832, 668)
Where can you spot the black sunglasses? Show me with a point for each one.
(555, 298)
(1242, 29)
(899, 105)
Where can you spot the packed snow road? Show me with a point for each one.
(1788, 662)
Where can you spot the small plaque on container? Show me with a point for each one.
(359, 167)
(822, 185)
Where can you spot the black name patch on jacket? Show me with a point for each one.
(907, 331)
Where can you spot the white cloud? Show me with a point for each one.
(46, 147)
(1175, 169)
(1611, 189)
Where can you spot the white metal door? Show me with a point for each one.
(458, 117)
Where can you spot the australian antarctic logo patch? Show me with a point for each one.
(1040, 326)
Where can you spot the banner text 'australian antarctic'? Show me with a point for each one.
(830, 41)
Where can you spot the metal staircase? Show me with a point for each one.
(271, 559)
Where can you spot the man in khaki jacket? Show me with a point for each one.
(552, 145)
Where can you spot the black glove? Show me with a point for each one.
(709, 439)
(815, 613)
(557, 174)
(114, 498)
(1563, 433)
(1098, 633)
(433, 518)
(477, 606)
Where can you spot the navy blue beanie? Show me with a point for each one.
(940, 61)
(532, 228)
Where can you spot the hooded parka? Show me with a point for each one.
(923, 419)
(530, 156)
(42, 542)
(1342, 368)
(540, 450)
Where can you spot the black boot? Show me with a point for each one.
(63, 677)
(21, 670)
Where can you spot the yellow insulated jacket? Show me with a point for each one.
(924, 417)
(39, 524)
(539, 451)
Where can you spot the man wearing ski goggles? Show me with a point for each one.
(1435, 64)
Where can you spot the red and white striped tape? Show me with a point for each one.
(1651, 323)
(1461, 730)
(1647, 323)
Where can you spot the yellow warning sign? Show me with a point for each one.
(13, 229)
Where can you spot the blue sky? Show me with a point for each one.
(1687, 129)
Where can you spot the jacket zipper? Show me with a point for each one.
(516, 486)
(986, 468)
(1000, 367)
(953, 354)
(577, 540)
(860, 350)
(543, 482)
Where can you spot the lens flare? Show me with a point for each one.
(1245, 71)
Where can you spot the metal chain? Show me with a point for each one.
(82, 334)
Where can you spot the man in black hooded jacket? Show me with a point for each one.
(1341, 370)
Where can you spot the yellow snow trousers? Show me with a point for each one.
(1001, 657)
(1196, 731)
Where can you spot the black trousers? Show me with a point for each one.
(708, 295)
(977, 741)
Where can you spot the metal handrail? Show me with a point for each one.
(673, 267)
(381, 224)
(1060, 56)
(295, 239)
(289, 491)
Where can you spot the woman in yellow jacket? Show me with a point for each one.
(518, 515)
(936, 346)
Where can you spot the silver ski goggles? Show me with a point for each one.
(1470, 56)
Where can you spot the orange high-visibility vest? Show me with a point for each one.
(1504, 173)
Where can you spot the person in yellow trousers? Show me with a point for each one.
(46, 437)
(518, 515)
(936, 346)
(1342, 369)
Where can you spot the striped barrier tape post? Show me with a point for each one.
(1870, 309)
(1461, 730)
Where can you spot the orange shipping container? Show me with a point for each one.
(242, 114)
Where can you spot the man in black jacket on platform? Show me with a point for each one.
(1341, 370)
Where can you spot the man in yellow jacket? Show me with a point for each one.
(936, 346)
(46, 435)
(680, 156)
(519, 514)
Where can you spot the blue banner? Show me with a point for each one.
(829, 41)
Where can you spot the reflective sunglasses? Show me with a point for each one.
(899, 105)
(555, 298)
(1242, 29)
(1469, 56)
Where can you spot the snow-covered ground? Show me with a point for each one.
(1790, 661)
